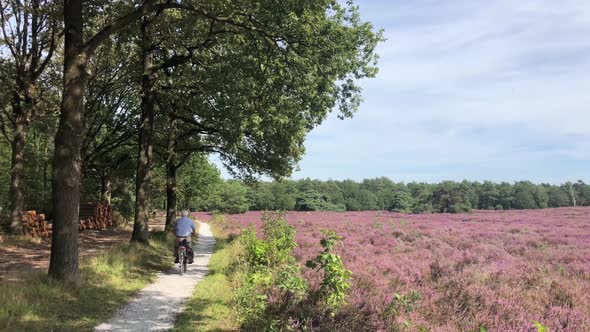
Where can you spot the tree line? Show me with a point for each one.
(385, 194)
(112, 99)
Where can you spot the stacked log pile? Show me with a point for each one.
(96, 215)
(93, 215)
(35, 225)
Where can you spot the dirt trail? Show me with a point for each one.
(155, 307)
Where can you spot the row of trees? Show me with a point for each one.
(105, 99)
(384, 194)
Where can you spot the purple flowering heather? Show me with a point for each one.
(500, 270)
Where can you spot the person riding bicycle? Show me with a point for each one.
(184, 228)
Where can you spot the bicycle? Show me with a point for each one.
(182, 256)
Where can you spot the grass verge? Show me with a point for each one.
(210, 308)
(107, 281)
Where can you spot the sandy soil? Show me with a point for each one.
(21, 257)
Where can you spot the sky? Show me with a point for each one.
(478, 90)
(467, 89)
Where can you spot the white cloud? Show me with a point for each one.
(465, 82)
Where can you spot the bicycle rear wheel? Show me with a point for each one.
(181, 261)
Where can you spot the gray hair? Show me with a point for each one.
(184, 213)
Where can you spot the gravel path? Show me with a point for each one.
(155, 307)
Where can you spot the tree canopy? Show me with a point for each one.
(156, 83)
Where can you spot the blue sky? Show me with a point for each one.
(477, 90)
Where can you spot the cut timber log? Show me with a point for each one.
(96, 215)
(93, 215)
(35, 225)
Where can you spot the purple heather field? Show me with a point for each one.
(496, 269)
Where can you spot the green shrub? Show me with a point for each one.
(403, 303)
(336, 277)
(271, 292)
(270, 272)
(540, 327)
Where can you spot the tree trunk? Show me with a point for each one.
(144, 160)
(171, 197)
(107, 188)
(63, 264)
(17, 170)
(45, 169)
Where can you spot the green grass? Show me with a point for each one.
(210, 308)
(107, 281)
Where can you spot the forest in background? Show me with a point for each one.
(414, 197)
(200, 187)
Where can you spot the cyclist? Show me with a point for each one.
(184, 228)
